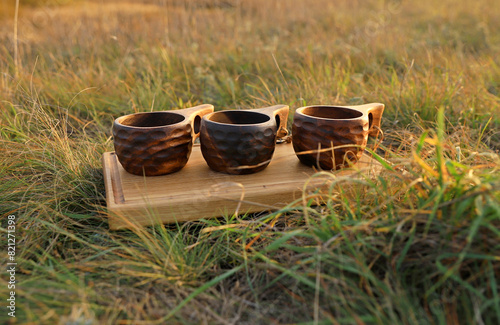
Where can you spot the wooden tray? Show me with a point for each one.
(197, 192)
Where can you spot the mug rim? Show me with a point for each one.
(119, 119)
(301, 109)
(207, 117)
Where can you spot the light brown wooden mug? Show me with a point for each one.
(157, 143)
(332, 137)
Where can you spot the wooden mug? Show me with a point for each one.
(157, 143)
(242, 141)
(332, 137)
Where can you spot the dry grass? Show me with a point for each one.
(418, 244)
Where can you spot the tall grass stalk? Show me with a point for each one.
(16, 50)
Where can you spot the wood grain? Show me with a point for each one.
(157, 143)
(242, 141)
(334, 136)
(197, 192)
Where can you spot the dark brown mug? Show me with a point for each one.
(242, 141)
(332, 137)
(157, 143)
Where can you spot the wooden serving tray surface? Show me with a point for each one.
(197, 192)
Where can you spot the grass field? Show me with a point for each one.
(419, 244)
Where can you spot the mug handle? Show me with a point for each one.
(194, 115)
(280, 114)
(374, 112)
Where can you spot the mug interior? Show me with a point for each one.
(151, 119)
(238, 117)
(331, 112)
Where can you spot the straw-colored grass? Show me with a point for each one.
(418, 244)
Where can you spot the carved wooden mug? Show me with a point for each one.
(332, 137)
(242, 141)
(157, 143)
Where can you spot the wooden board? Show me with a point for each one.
(197, 192)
